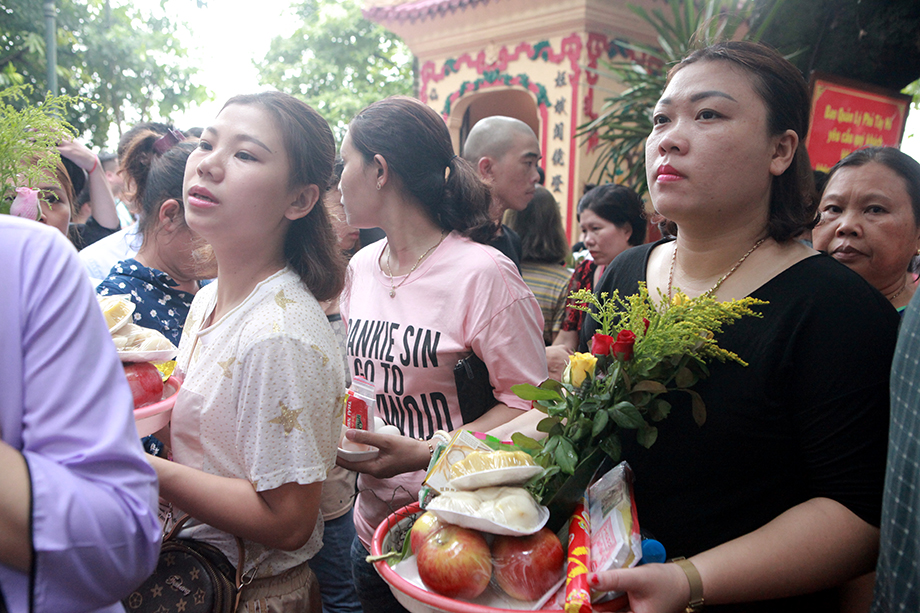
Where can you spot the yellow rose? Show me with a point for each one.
(580, 365)
(680, 298)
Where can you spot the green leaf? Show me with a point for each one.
(640, 399)
(590, 404)
(527, 391)
(601, 419)
(647, 436)
(699, 408)
(525, 442)
(582, 429)
(649, 386)
(626, 415)
(546, 424)
(659, 409)
(611, 446)
(684, 378)
(565, 455)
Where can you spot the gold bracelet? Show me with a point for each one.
(696, 584)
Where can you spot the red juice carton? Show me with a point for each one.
(360, 405)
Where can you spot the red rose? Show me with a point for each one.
(647, 323)
(623, 346)
(601, 343)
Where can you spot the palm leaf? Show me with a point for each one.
(625, 118)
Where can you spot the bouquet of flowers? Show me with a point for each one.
(641, 352)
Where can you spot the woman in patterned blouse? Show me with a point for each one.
(163, 278)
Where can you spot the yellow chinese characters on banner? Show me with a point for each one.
(846, 116)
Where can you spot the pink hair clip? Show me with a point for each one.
(167, 141)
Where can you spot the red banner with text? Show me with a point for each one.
(846, 116)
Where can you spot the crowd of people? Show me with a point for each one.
(242, 244)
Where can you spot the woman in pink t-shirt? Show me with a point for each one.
(430, 295)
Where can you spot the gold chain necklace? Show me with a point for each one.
(712, 289)
(393, 286)
(898, 293)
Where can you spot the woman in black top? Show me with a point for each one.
(778, 494)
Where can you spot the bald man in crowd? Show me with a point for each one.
(505, 151)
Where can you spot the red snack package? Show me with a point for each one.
(577, 594)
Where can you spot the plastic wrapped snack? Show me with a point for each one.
(360, 405)
(461, 444)
(497, 510)
(492, 468)
(138, 344)
(116, 310)
(615, 538)
(479, 461)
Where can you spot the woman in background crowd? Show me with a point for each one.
(869, 219)
(544, 250)
(612, 220)
(162, 279)
(57, 196)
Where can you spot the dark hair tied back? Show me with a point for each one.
(415, 142)
(153, 178)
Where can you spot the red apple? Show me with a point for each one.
(423, 527)
(455, 562)
(146, 383)
(526, 567)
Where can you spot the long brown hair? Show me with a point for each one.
(310, 246)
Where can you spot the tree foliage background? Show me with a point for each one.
(127, 67)
(337, 61)
(876, 42)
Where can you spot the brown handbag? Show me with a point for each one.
(191, 577)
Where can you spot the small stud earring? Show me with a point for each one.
(379, 185)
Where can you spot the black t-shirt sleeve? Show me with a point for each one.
(839, 359)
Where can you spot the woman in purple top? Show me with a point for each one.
(78, 525)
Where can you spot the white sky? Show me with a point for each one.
(225, 37)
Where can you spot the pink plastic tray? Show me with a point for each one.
(153, 417)
(420, 600)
